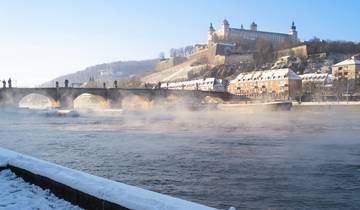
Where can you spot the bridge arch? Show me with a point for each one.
(37, 101)
(90, 101)
(135, 102)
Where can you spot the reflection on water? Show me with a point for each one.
(275, 160)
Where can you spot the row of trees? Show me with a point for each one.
(179, 52)
(316, 45)
(182, 52)
(264, 52)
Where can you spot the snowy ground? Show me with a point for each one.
(17, 194)
(124, 195)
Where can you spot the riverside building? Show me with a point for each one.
(317, 80)
(275, 84)
(347, 72)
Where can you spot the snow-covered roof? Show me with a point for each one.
(192, 82)
(275, 74)
(350, 61)
(314, 77)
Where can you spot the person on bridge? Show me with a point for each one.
(4, 83)
(9, 83)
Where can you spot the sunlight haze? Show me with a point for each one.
(41, 40)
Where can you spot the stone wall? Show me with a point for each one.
(298, 51)
(239, 58)
(168, 63)
(218, 60)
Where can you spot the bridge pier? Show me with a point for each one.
(65, 103)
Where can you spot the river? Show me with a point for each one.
(266, 160)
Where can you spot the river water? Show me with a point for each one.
(266, 160)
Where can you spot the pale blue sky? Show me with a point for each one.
(42, 39)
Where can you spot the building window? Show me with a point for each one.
(340, 68)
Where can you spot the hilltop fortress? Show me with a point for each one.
(240, 36)
(224, 46)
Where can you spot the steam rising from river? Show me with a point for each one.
(246, 159)
(176, 114)
(36, 101)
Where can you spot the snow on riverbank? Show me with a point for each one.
(125, 195)
(16, 194)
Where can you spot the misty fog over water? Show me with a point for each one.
(249, 160)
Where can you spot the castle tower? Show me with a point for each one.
(225, 29)
(293, 32)
(253, 26)
(211, 32)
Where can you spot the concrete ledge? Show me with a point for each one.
(65, 192)
(89, 191)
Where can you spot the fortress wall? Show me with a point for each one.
(200, 55)
(219, 60)
(298, 51)
(168, 63)
(212, 54)
(237, 58)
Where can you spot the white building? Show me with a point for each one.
(322, 79)
(207, 84)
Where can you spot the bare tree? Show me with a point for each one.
(264, 52)
(172, 53)
(162, 56)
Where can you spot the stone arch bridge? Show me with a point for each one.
(64, 97)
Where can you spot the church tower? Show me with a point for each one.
(293, 32)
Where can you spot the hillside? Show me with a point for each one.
(318, 56)
(178, 72)
(108, 72)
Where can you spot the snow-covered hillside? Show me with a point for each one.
(108, 72)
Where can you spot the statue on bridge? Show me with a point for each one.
(9, 83)
(57, 84)
(66, 83)
(4, 83)
(115, 84)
